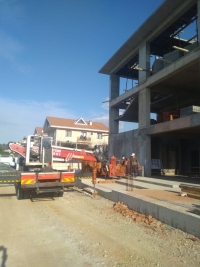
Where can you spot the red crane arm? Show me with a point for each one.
(18, 149)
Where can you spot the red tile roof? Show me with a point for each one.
(70, 123)
(38, 130)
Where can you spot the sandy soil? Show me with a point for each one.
(79, 230)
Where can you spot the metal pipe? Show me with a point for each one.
(181, 49)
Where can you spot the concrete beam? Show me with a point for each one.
(125, 96)
(164, 74)
(181, 64)
(159, 21)
(179, 124)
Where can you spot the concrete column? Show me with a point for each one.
(144, 151)
(198, 24)
(144, 62)
(147, 171)
(144, 108)
(144, 95)
(113, 112)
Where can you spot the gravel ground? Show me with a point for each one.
(80, 230)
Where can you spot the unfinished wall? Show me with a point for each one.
(135, 141)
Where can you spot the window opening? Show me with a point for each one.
(83, 136)
(68, 133)
(99, 135)
(126, 85)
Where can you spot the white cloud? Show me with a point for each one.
(102, 118)
(105, 104)
(19, 118)
(121, 126)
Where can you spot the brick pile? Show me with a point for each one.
(136, 216)
(106, 182)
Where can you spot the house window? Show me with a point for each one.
(68, 133)
(99, 135)
(83, 136)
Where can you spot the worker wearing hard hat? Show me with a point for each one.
(133, 164)
(123, 160)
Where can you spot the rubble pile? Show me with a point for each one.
(136, 216)
(106, 182)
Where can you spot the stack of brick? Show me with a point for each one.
(136, 216)
(106, 181)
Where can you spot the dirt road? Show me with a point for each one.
(81, 231)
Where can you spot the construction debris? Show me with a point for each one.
(136, 216)
(183, 194)
(192, 191)
(91, 191)
(106, 182)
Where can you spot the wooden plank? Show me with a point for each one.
(194, 196)
(191, 191)
(193, 187)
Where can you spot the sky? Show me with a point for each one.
(50, 54)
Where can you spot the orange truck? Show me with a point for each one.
(43, 182)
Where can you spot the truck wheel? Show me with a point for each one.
(20, 192)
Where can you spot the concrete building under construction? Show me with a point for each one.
(166, 68)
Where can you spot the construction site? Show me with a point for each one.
(163, 99)
(143, 222)
(88, 208)
(97, 213)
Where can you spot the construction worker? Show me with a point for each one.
(105, 169)
(123, 160)
(133, 164)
